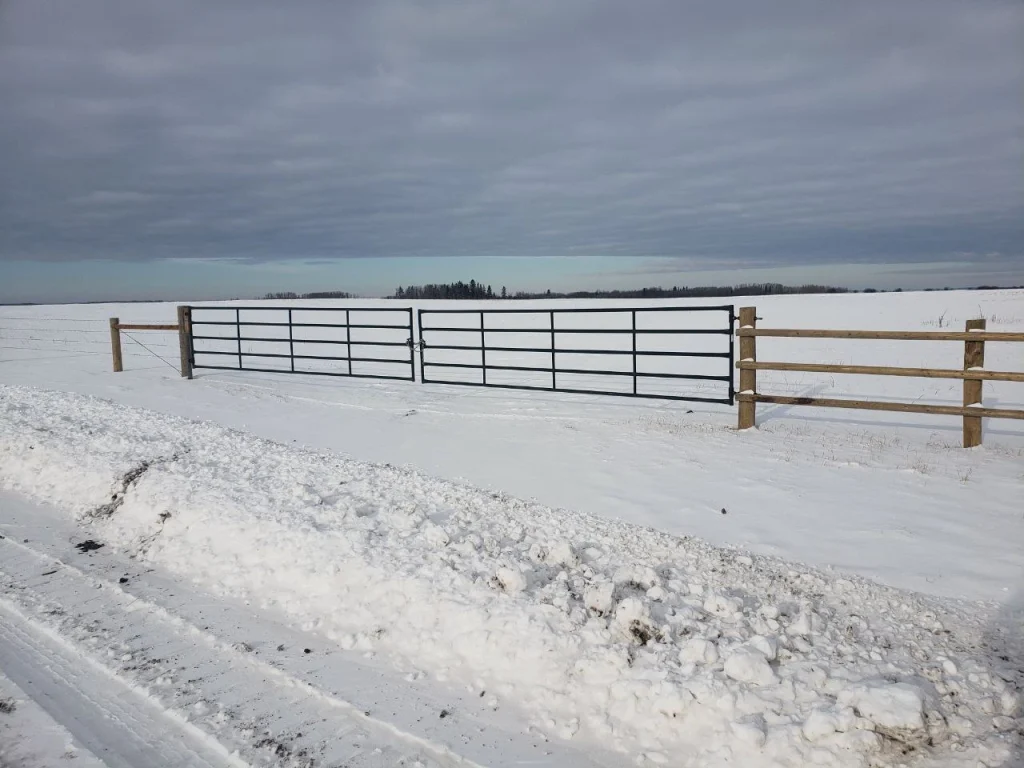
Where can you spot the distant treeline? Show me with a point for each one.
(475, 290)
(459, 290)
(314, 295)
(482, 291)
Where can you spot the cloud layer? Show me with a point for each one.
(744, 134)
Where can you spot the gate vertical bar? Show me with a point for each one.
(348, 342)
(634, 350)
(291, 341)
(483, 349)
(423, 344)
(412, 348)
(238, 334)
(732, 354)
(553, 383)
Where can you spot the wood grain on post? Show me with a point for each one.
(974, 357)
(184, 333)
(748, 376)
(115, 344)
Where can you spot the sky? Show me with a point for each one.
(194, 150)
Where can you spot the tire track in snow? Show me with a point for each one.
(119, 725)
(233, 701)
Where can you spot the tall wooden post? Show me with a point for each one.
(974, 357)
(748, 378)
(115, 344)
(184, 335)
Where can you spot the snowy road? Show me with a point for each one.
(119, 725)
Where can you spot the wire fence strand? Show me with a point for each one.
(51, 349)
(76, 342)
(51, 329)
(100, 320)
(154, 354)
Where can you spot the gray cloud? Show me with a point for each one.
(744, 133)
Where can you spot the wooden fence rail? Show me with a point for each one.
(881, 370)
(973, 374)
(182, 328)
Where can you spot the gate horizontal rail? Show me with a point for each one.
(552, 332)
(583, 310)
(381, 365)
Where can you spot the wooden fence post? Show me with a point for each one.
(974, 357)
(184, 334)
(115, 344)
(748, 378)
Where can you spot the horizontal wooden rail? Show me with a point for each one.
(881, 370)
(972, 375)
(128, 327)
(807, 333)
(871, 405)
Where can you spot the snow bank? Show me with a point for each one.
(663, 647)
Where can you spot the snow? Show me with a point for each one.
(461, 585)
(102, 634)
(29, 738)
(916, 510)
(605, 580)
(896, 706)
(749, 665)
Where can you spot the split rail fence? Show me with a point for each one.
(973, 372)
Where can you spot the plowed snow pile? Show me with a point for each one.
(663, 647)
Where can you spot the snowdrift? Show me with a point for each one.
(659, 646)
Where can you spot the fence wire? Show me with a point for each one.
(154, 354)
(64, 342)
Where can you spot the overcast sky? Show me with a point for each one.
(183, 149)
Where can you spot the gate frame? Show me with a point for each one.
(554, 370)
(291, 340)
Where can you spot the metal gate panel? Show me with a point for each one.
(588, 350)
(376, 342)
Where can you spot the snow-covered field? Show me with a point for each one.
(658, 599)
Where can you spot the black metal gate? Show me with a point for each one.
(376, 342)
(636, 352)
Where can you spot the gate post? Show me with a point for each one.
(974, 357)
(184, 339)
(748, 376)
(115, 344)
